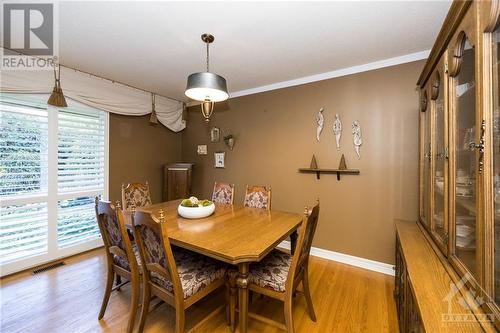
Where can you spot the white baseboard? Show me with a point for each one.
(371, 265)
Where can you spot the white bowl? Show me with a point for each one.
(196, 212)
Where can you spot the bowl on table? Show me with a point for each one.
(193, 209)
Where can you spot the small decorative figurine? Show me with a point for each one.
(320, 120)
(337, 130)
(342, 164)
(356, 137)
(314, 163)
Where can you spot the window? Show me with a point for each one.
(53, 162)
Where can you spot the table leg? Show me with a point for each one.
(242, 282)
(293, 241)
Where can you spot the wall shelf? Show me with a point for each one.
(318, 172)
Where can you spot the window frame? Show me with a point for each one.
(52, 197)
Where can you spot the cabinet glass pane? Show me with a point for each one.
(426, 167)
(465, 168)
(439, 116)
(496, 156)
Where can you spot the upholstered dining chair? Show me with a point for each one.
(258, 197)
(223, 193)
(122, 257)
(135, 195)
(279, 274)
(178, 277)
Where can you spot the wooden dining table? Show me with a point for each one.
(232, 234)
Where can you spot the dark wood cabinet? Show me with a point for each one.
(427, 297)
(177, 181)
(408, 314)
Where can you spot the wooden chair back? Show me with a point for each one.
(223, 193)
(301, 256)
(114, 233)
(258, 197)
(151, 236)
(135, 195)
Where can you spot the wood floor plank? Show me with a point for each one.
(67, 299)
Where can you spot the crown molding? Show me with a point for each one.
(336, 73)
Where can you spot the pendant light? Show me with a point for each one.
(57, 97)
(207, 87)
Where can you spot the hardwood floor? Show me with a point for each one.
(67, 299)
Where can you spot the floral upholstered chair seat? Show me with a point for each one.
(272, 271)
(123, 263)
(195, 272)
(223, 193)
(136, 195)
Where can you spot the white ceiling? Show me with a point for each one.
(155, 45)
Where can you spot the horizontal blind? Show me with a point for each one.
(81, 140)
(23, 231)
(80, 169)
(76, 221)
(23, 150)
(77, 136)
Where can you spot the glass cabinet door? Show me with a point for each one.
(465, 161)
(426, 160)
(439, 114)
(496, 155)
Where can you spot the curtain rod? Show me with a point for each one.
(99, 77)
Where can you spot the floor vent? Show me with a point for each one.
(44, 268)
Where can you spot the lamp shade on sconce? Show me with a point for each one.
(205, 86)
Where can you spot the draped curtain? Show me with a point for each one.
(95, 92)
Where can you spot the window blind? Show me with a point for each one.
(52, 165)
(23, 172)
(23, 150)
(80, 151)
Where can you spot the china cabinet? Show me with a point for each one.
(459, 200)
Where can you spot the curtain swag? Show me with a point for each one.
(96, 92)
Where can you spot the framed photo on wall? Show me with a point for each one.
(215, 134)
(202, 150)
(219, 159)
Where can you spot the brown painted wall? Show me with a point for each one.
(137, 152)
(275, 135)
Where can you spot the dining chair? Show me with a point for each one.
(258, 197)
(177, 276)
(122, 257)
(135, 195)
(279, 274)
(223, 193)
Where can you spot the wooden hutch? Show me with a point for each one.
(459, 162)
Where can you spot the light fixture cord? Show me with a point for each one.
(208, 56)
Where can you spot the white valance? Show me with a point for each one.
(95, 92)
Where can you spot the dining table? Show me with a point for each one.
(233, 234)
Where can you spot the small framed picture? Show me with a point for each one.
(202, 150)
(215, 134)
(219, 159)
